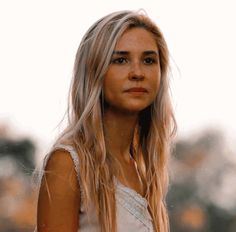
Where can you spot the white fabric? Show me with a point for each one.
(132, 208)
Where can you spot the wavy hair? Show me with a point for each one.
(151, 143)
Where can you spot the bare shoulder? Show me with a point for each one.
(60, 160)
(60, 172)
(59, 195)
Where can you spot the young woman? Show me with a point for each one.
(108, 169)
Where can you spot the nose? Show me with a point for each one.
(136, 72)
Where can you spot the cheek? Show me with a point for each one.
(109, 87)
(112, 81)
(108, 90)
(155, 83)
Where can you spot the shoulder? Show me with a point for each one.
(60, 159)
(59, 195)
(60, 169)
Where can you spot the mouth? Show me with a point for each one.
(137, 90)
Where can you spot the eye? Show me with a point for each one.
(149, 60)
(119, 60)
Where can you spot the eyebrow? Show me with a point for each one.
(148, 52)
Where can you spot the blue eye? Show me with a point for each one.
(120, 60)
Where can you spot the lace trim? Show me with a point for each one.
(127, 197)
(134, 194)
(134, 203)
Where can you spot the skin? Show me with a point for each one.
(135, 63)
(59, 195)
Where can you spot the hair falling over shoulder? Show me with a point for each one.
(85, 129)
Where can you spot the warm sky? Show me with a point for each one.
(39, 39)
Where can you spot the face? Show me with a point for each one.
(132, 80)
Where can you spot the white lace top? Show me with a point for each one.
(132, 208)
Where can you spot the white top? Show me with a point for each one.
(132, 208)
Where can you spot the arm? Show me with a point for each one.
(59, 195)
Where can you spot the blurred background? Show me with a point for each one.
(38, 43)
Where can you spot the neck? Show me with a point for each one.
(119, 129)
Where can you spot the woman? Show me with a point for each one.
(108, 170)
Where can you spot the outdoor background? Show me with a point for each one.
(38, 42)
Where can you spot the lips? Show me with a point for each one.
(137, 90)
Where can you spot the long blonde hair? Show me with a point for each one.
(85, 125)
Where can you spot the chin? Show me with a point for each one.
(128, 107)
(135, 109)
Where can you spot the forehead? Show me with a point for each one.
(137, 39)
